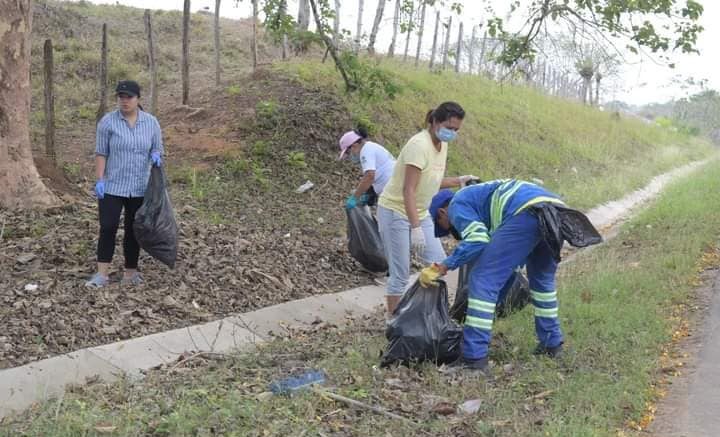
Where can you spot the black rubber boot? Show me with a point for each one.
(552, 352)
(480, 365)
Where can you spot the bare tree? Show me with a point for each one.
(186, 53)
(396, 25)
(216, 33)
(102, 107)
(376, 26)
(458, 53)
(446, 49)
(349, 86)
(435, 40)
(49, 101)
(303, 15)
(420, 33)
(358, 31)
(153, 66)
(20, 181)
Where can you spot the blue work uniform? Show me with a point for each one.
(500, 234)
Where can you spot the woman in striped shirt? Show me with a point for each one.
(128, 142)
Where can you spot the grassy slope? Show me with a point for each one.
(512, 131)
(618, 308)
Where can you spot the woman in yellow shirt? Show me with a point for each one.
(419, 174)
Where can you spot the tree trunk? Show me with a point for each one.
(49, 102)
(590, 91)
(435, 40)
(447, 43)
(396, 25)
(471, 50)
(254, 35)
(217, 42)
(376, 26)
(336, 24)
(358, 31)
(458, 53)
(153, 65)
(328, 42)
(420, 34)
(411, 25)
(303, 15)
(102, 107)
(186, 53)
(598, 78)
(19, 179)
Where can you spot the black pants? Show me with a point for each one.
(110, 207)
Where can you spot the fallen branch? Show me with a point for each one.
(354, 403)
(206, 354)
(541, 395)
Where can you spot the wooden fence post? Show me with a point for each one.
(186, 53)
(458, 52)
(49, 102)
(447, 43)
(151, 63)
(435, 37)
(216, 34)
(102, 107)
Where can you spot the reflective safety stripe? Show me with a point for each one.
(498, 201)
(476, 232)
(477, 237)
(546, 312)
(481, 305)
(539, 199)
(544, 296)
(478, 322)
(473, 227)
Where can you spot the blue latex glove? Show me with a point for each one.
(156, 159)
(350, 202)
(363, 200)
(100, 188)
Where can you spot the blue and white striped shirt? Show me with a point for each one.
(127, 151)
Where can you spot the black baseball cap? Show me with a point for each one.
(129, 87)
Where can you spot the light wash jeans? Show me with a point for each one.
(395, 235)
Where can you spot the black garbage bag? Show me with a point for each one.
(155, 227)
(558, 224)
(514, 296)
(421, 329)
(364, 240)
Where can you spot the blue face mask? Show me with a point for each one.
(355, 159)
(446, 135)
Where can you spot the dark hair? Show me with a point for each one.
(445, 112)
(362, 131)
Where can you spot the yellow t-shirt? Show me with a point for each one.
(421, 153)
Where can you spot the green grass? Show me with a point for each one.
(586, 155)
(616, 306)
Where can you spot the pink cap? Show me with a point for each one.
(347, 140)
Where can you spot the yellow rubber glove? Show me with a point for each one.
(429, 276)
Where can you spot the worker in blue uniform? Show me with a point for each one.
(500, 227)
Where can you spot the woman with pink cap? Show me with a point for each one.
(376, 162)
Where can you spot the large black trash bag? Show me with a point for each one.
(514, 296)
(155, 227)
(421, 329)
(364, 240)
(558, 224)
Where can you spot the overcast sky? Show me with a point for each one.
(643, 81)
